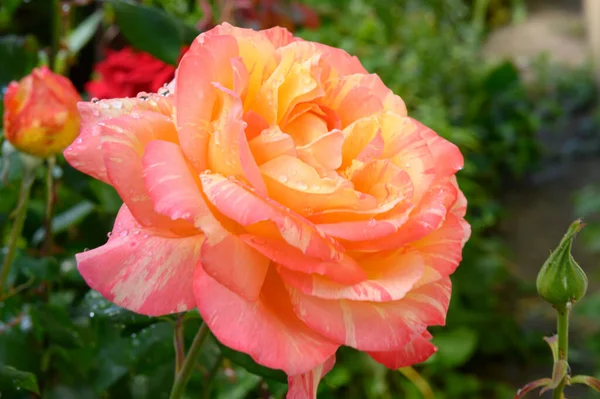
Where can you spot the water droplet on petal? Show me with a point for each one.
(301, 185)
(109, 234)
(124, 233)
(94, 100)
(283, 178)
(372, 223)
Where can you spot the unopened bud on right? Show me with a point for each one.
(561, 280)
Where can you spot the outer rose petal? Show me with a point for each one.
(442, 249)
(83, 154)
(175, 191)
(141, 270)
(417, 351)
(123, 143)
(304, 386)
(268, 330)
(353, 323)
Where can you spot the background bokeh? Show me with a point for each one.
(508, 81)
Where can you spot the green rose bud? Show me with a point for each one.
(561, 280)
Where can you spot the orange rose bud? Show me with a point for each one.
(40, 113)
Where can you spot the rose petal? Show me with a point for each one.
(123, 142)
(236, 265)
(175, 192)
(363, 141)
(397, 323)
(247, 208)
(325, 153)
(195, 95)
(447, 157)
(267, 329)
(355, 96)
(228, 150)
(390, 278)
(298, 186)
(424, 219)
(442, 249)
(84, 153)
(304, 386)
(142, 271)
(417, 351)
(271, 143)
(345, 270)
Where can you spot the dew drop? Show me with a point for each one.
(301, 185)
(124, 233)
(372, 223)
(95, 100)
(109, 234)
(283, 178)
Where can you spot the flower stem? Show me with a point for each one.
(179, 344)
(17, 228)
(417, 379)
(188, 364)
(563, 345)
(50, 199)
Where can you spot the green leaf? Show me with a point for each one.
(249, 364)
(12, 379)
(107, 196)
(56, 322)
(244, 383)
(502, 77)
(81, 35)
(64, 220)
(150, 29)
(19, 57)
(95, 305)
(455, 347)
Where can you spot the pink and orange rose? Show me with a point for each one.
(284, 191)
(40, 113)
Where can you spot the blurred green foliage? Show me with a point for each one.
(71, 343)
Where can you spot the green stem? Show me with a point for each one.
(17, 228)
(211, 377)
(563, 346)
(188, 364)
(56, 27)
(179, 344)
(50, 197)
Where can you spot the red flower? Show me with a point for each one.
(126, 72)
